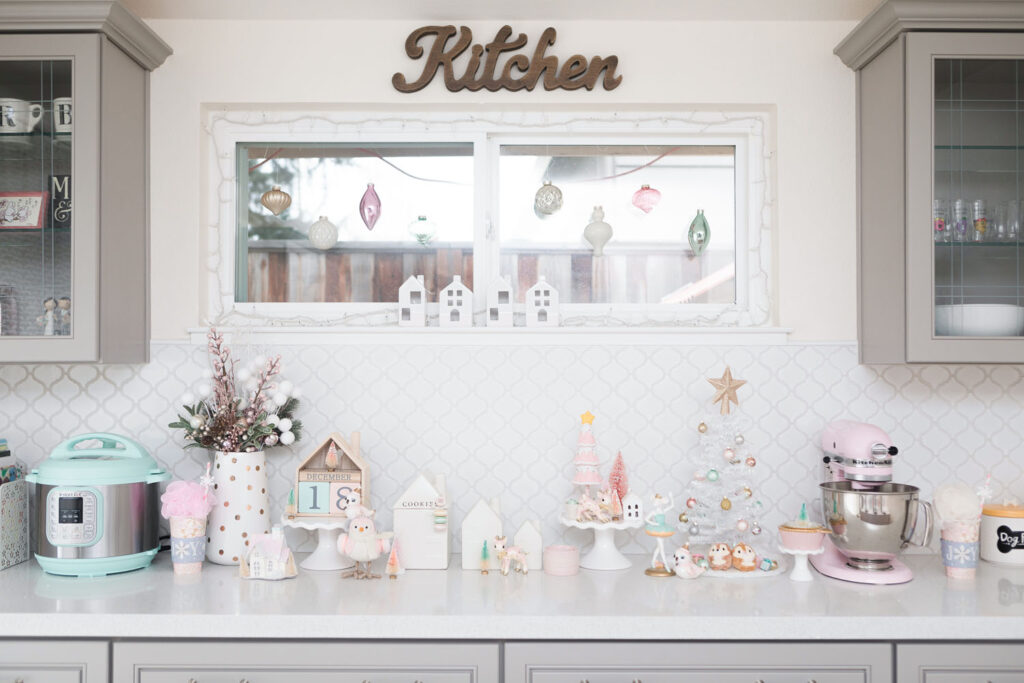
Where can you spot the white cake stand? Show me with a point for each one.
(605, 555)
(801, 572)
(326, 556)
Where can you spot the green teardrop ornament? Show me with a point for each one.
(699, 234)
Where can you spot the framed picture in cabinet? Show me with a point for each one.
(22, 210)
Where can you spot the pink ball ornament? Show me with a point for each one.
(691, 503)
(699, 476)
(646, 198)
(751, 462)
(742, 525)
(729, 454)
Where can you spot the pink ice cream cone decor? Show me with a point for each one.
(186, 504)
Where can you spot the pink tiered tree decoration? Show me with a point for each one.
(586, 461)
(369, 207)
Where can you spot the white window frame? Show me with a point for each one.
(747, 131)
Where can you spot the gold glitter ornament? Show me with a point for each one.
(726, 504)
(276, 200)
(683, 519)
(702, 428)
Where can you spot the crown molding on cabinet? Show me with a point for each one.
(109, 17)
(893, 17)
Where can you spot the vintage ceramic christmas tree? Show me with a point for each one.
(722, 509)
(586, 462)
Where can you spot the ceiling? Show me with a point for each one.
(521, 10)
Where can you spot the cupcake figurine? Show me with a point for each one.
(659, 529)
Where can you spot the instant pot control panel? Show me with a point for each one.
(72, 516)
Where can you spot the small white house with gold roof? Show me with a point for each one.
(334, 476)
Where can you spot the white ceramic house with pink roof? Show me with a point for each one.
(269, 558)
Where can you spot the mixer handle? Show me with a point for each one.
(928, 517)
(67, 450)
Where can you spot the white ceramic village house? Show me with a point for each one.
(424, 541)
(500, 306)
(482, 524)
(455, 304)
(632, 507)
(412, 302)
(529, 538)
(542, 304)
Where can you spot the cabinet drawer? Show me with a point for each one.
(305, 662)
(951, 663)
(697, 663)
(54, 661)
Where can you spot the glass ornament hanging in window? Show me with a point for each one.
(646, 198)
(422, 230)
(369, 207)
(276, 200)
(699, 234)
(597, 233)
(323, 234)
(548, 200)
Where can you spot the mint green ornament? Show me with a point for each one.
(699, 234)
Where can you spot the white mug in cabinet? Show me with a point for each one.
(18, 116)
(62, 115)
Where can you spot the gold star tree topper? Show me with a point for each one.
(726, 390)
(587, 418)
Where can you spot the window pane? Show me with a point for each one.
(648, 258)
(425, 224)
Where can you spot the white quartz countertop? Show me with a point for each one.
(458, 604)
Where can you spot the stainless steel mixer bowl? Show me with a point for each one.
(870, 525)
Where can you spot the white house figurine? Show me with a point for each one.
(269, 558)
(421, 524)
(530, 540)
(482, 524)
(542, 305)
(412, 302)
(631, 507)
(499, 303)
(455, 304)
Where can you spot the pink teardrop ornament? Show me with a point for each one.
(369, 207)
(646, 198)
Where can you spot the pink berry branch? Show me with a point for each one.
(222, 418)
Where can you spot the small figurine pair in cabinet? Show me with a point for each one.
(56, 317)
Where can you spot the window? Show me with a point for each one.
(458, 197)
(425, 224)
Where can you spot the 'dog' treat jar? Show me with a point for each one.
(1002, 534)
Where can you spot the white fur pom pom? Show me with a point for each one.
(957, 502)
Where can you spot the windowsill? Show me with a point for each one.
(504, 336)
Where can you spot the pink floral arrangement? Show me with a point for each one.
(187, 499)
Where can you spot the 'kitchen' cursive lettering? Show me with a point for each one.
(481, 69)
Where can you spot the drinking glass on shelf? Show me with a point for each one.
(942, 230)
(961, 224)
(980, 217)
(1013, 220)
(997, 226)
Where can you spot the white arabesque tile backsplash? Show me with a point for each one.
(502, 421)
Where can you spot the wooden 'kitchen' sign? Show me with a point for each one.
(482, 70)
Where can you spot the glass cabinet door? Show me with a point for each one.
(976, 206)
(36, 124)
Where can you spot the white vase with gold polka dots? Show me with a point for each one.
(242, 511)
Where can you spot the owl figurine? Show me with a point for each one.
(744, 558)
(720, 556)
(363, 544)
(685, 567)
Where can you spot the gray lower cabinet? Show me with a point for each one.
(952, 663)
(54, 661)
(306, 662)
(698, 663)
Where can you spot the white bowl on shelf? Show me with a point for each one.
(979, 320)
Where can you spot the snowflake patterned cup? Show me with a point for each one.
(186, 504)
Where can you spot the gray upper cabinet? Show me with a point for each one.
(940, 155)
(74, 235)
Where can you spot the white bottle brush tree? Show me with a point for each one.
(722, 504)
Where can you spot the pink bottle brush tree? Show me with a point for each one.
(617, 478)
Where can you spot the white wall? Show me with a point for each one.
(789, 65)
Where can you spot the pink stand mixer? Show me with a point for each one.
(871, 518)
